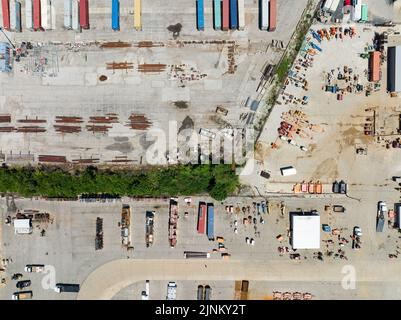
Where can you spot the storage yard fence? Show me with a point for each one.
(40, 15)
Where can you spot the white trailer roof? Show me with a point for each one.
(22, 226)
(305, 231)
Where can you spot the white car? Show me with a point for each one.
(304, 148)
(247, 240)
(357, 231)
(382, 207)
(252, 242)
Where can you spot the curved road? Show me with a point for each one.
(109, 279)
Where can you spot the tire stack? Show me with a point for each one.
(99, 234)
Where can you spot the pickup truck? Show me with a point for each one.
(34, 268)
(22, 295)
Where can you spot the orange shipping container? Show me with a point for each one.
(374, 72)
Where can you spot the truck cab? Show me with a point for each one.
(34, 268)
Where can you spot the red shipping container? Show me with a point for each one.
(347, 2)
(37, 22)
(226, 15)
(84, 14)
(272, 15)
(6, 14)
(202, 218)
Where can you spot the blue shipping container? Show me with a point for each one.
(18, 26)
(200, 15)
(210, 221)
(115, 15)
(233, 14)
(217, 14)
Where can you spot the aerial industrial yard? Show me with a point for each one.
(87, 85)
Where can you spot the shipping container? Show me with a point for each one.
(5, 5)
(217, 14)
(374, 66)
(327, 5)
(52, 15)
(210, 222)
(356, 10)
(202, 212)
(29, 14)
(226, 15)
(18, 25)
(364, 13)
(45, 12)
(138, 15)
(12, 15)
(115, 15)
(241, 14)
(200, 15)
(68, 14)
(264, 14)
(234, 14)
(273, 15)
(75, 15)
(334, 5)
(84, 14)
(37, 22)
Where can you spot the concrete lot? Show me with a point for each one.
(70, 86)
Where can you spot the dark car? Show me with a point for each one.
(343, 187)
(336, 187)
(16, 276)
(265, 174)
(23, 284)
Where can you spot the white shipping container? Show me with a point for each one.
(334, 5)
(28, 14)
(75, 15)
(265, 15)
(241, 14)
(13, 21)
(45, 13)
(68, 14)
(356, 12)
(327, 5)
(53, 15)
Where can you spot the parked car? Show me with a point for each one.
(343, 187)
(265, 174)
(23, 284)
(338, 208)
(357, 231)
(336, 187)
(326, 228)
(295, 256)
(16, 276)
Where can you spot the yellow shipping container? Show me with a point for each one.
(137, 15)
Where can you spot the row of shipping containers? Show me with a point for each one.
(268, 15)
(206, 220)
(115, 15)
(40, 15)
(227, 14)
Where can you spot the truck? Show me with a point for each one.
(171, 291)
(381, 212)
(22, 295)
(327, 5)
(202, 212)
(273, 15)
(210, 222)
(84, 14)
(138, 15)
(356, 11)
(37, 17)
(34, 268)
(29, 14)
(334, 6)
(264, 15)
(66, 287)
(226, 15)
(241, 15)
(150, 216)
(5, 5)
(17, 13)
(234, 14)
(196, 255)
(200, 15)
(12, 15)
(217, 14)
(200, 292)
(208, 293)
(172, 222)
(115, 15)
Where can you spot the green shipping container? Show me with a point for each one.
(364, 14)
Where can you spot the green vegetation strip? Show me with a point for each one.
(217, 180)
